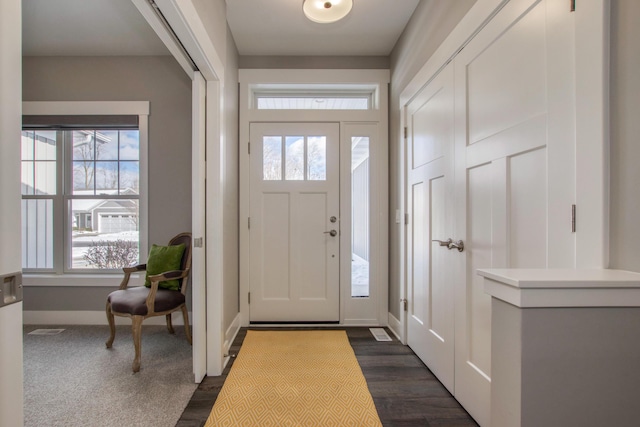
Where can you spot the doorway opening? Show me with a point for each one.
(312, 246)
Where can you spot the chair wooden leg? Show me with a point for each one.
(136, 327)
(169, 325)
(112, 326)
(187, 330)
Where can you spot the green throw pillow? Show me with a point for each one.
(163, 259)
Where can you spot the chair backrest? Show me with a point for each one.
(185, 262)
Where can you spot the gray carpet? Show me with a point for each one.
(72, 379)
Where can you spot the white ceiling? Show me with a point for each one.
(278, 27)
(259, 27)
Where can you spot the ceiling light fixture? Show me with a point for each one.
(326, 11)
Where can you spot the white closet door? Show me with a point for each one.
(430, 320)
(515, 168)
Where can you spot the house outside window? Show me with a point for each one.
(81, 199)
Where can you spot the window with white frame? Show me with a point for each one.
(81, 194)
(313, 97)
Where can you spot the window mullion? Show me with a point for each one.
(58, 203)
(67, 170)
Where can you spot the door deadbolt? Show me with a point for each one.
(333, 219)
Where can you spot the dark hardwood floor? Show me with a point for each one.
(405, 392)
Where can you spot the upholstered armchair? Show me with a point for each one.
(167, 272)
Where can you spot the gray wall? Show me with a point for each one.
(157, 79)
(625, 135)
(429, 26)
(315, 62)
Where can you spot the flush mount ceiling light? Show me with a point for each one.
(326, 11)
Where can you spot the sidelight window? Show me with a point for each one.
(360, 216)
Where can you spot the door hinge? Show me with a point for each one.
(249, 298)
(405, 304)
(406, 219)
(573, 218)
(406, 132)
(572, 7)
(248, 148)
(249, 223)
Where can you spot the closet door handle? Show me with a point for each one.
(443, 242)
(450, 244)
(459, 245)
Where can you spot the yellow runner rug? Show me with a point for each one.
(295, 378)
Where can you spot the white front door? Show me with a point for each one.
(430, 138)
(294, 222)
(515, 168)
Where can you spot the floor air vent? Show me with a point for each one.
(380, 334)
(45, 332)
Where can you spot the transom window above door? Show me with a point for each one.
(294, 158)
(313, 102)
(354, 97)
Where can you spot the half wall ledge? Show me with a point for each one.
(564, 347)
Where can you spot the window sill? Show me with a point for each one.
(83, 280)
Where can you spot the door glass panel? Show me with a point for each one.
(294, 168)
(360, 216)
(317, 158)
(272, 158)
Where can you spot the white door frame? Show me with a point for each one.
(340, 79)
(198, 224)
(592, 109)
(207, 294)
(11, 367)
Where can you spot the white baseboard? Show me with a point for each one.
(396, 327)
(360, 322)
(36, 317)
(231, 333)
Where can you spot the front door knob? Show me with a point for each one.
(332, 233)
